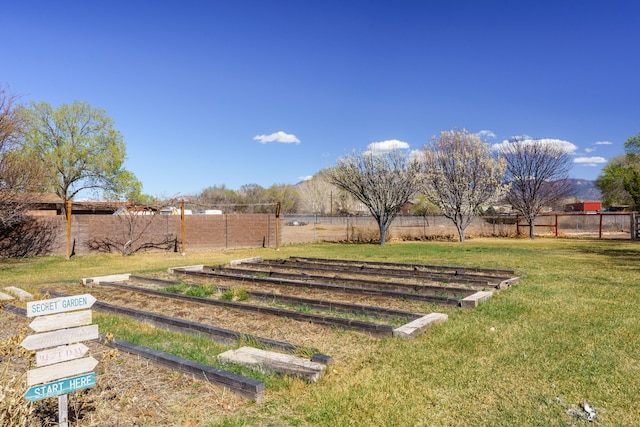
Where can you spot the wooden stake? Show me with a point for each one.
(182, 226)
(278, 226)
(69, 229)
(63, 410)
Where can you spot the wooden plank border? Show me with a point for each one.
(247, 388)
(180, 325)
(316, 303)
(334, 279)
(375, 329)
(324, 286)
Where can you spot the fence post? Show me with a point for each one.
(183, 249)
(635, 226)
(347, 229)
(277, 226)
(600, 227)
(69, 208)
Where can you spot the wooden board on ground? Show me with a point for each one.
(110, 278)
(21, 294)
(418, 326)
(274, 362)
(473, 300)
(247, 388)
(5, 297)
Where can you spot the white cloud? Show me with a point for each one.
(279, 136)
(388, 145)
(589, 150)
(486, 134)
(522, 137)
(416, 154)
(305, 178)
(603, 143)
(590, 161)
(559, 143)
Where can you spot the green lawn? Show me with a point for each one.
(566, 333)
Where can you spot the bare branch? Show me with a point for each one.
(382, 181)
(538, 172)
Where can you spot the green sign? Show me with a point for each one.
(64, 386)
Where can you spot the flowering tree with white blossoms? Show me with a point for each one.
(461, 174)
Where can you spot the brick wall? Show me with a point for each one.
(94, 233)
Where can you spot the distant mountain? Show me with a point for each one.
(585, 190)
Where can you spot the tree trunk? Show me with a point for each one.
(383, 232)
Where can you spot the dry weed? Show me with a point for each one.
(14, 409)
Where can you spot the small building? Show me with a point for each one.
(34, 204)
(583, 207)
(208, 212)
(136, 210)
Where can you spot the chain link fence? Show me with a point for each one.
(303, 228)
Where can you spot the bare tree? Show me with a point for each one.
(315, 195)
(538, 172)
(424, 208)
(10, 120)
(286, 195)
(16, 175)
(461, 174)
(136, 233)
(253, 198)
(20, 234)
(384, 181)
(344, 203)
(219, 197)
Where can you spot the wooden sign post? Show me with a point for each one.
(61, 324)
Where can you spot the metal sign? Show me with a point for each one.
(57, 388)
(59, 305)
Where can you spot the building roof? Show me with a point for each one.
(20, 197)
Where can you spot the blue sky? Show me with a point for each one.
(269, 92)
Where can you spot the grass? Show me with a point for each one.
(566, 333)
(235, 294)
(193, 347)
(180, 288)
(201, 291)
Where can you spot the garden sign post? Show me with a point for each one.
(61, 324)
